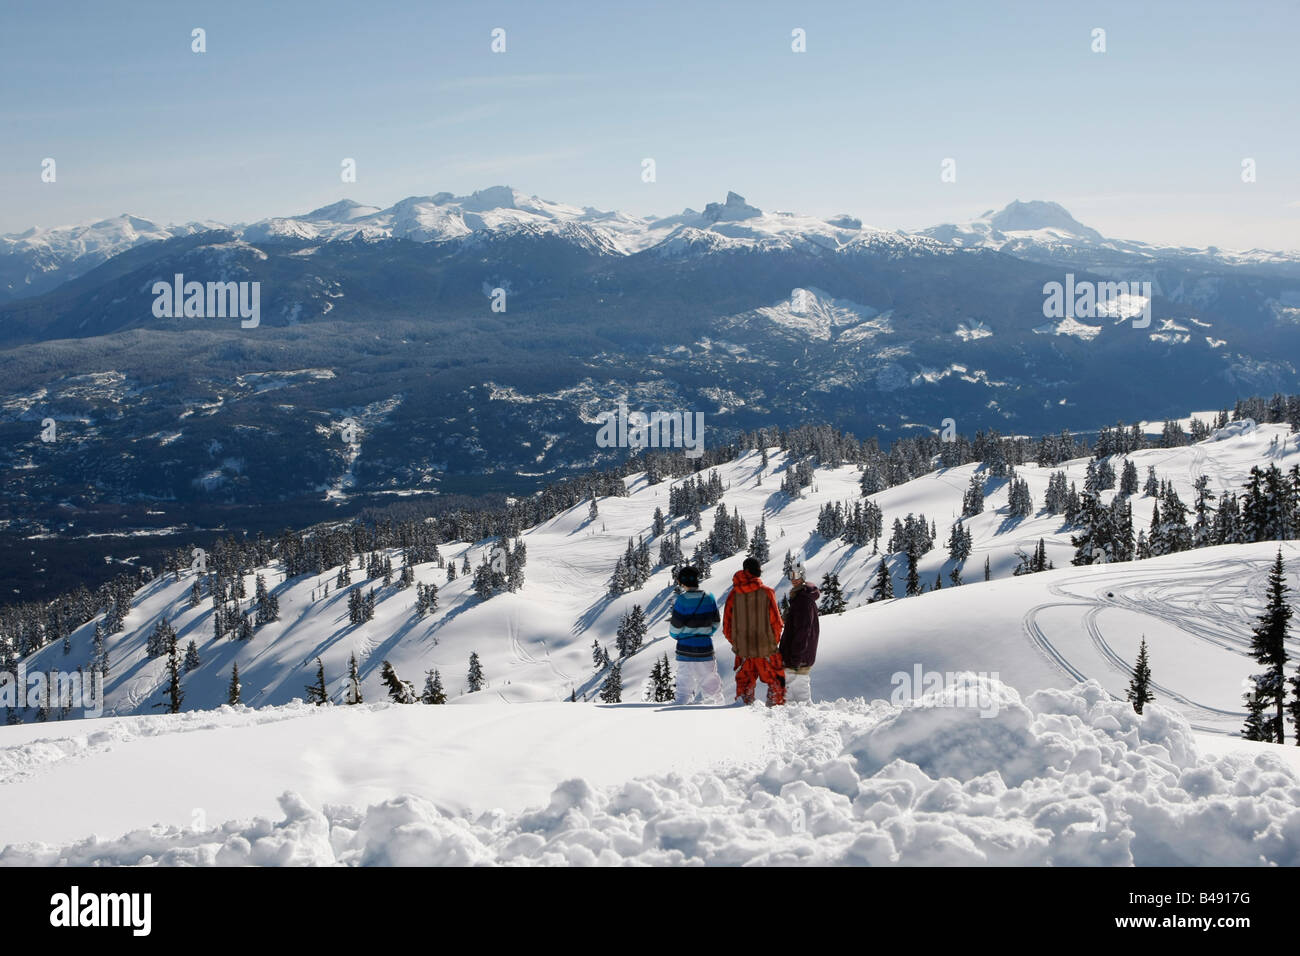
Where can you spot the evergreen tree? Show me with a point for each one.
(268, 605)
(476, 678)
(195, 597)
(662, 689)
(399, 691)
(618, 581)
(353, 693)
(100, 660)
(175, 695)
(599, 656)
(758, 546)
(913, 579)
(988, 569)
(1095, 543)
(316, 692)
(701, 562)
(160, 639)
(631, 631)
(972, 502)
(1128, 482)
(611, 691)
(483, 584)
(232, 695)
(884, 585)
(1020, 503)
(1057, 498)
(1258, 725)
(191, 657)
(433, 692)
(1268, 646)
(832, 601)
(1139, 688)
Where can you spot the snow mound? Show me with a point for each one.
(1061, 777)
(1233, 430)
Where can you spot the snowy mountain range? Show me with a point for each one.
(387, 317)
(36, 261)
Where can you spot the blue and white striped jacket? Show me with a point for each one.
(694, 619)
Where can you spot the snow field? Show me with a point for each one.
(1060, 777)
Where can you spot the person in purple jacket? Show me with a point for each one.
(799, 637)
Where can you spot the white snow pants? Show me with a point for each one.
(798, 688)
(699, 677)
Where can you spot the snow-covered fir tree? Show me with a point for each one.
(832, 601)
(317, 693)
(972, 502)
(399, 691)
(631, 633)
(433, 692)
(611, 691)
(353, 693)
(883, 588)
(475, 681)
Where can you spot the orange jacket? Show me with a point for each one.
(743, 623)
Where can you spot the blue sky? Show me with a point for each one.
(1143, 141)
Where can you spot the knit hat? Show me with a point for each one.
(688, 577)
(753, 566)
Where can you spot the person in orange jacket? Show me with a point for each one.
(751, 623)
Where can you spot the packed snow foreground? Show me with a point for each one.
(1059, 777)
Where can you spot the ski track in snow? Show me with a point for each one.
(1194, 604)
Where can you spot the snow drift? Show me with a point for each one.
(1059, 777)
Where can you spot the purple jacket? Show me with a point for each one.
(799, 639)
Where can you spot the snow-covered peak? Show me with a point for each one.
(1035, 215)
(37, 260)
(345, 210)
(735, 208)
(1043, 231)
(1016, 224)
(747, 227)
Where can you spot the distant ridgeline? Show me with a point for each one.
(1268, 508)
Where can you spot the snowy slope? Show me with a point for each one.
(1046, 630)
(1031, 768)
(1060, 778)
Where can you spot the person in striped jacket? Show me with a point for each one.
(694, 620)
